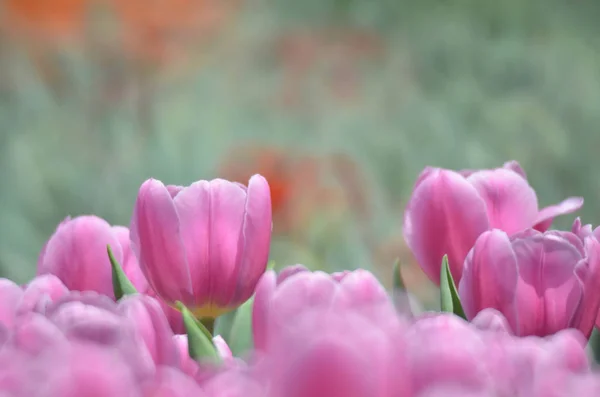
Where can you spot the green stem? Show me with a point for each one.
(209, 323)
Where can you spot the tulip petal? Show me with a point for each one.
(156, 240)
(152, 326)
(548, 294)
(256, 238)
(490, 276)
(445, 215)
(10, 296)
(515, 167)
(301, 292)
(546, 215)
(260, 309)
(130, 264)
(511, 203)
(289, 271)
(589, 274)
(42, 290)
(43, 251)
(193, 208)
(227, 210)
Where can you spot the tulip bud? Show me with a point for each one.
(76, 254)
(205, 245)
(541, 282)
(448, 210)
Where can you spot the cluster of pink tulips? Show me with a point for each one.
(116, 311)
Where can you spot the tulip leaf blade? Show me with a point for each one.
(397, 279)
(121, 284)
(240, 336)
(200, 344)
(450, 301)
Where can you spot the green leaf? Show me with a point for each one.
(121, 284)
(271, 265)
(398, 282)
(450, 301)
(200, 345)
(240, 335)
(224, 323)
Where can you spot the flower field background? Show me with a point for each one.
(339, 104)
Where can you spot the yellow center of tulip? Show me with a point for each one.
(210, 311)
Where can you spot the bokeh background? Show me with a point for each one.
(339, 103)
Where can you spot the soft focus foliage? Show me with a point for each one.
(461, 84)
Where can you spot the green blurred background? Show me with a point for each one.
(339, 103)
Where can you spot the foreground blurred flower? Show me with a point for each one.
(448, 210)
(36, 295)
(443, 349)
(279, 299)
(153, 327)
(86, 344)
(324, 352)
(541, 282)
(76, 254)
(205, 245)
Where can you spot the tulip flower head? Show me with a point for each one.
(448, 210)
(279, 299)
(541, 282)
(76, 254)
(205, 245)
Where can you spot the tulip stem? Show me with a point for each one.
(209, 323)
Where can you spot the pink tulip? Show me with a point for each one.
(205, 245)
(541, 282)
(448, 210)
(76, 254)
(279, 299)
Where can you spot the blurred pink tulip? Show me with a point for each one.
(169, 382)
(36, 295)
(281, 298)
(76, 254)
(152, 325)
(336, 353)
(448, 210)
(205, 245)
(235, 382)
(40, 292)
(174, 316)
(186, 363)
(443, 349)
(67, 370)
(541, 282)
(10, 296)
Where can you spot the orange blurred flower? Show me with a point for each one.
(56, 20)
(299, 189)
(153, 32)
